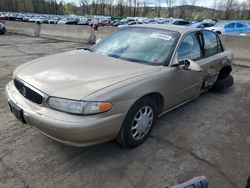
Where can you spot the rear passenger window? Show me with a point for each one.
(212, 44)
(239, 25)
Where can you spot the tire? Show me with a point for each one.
(3, 32)
(223, 82)
(138, 123)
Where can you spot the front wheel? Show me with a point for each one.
(138, 123)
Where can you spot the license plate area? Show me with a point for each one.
(17, 111)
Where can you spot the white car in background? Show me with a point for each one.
(131, 23)
(33, 19)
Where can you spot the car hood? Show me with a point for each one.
(78, 74)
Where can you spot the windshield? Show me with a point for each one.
(143, 45)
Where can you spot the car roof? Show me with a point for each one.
(181, 29)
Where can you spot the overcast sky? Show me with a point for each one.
(204, 3)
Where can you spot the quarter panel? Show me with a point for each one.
(213, 64)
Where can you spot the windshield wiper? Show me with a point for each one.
(134, 60)
(113, 55)
(82, 48)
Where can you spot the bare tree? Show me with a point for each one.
(220, 8)
(120, 8)
(129, 7)
(229, 8)
(82, 6)
(248, 8)
(110, 5)
(157, 10)
(170, 4)
(102, 6)
(192, 3)
(145, 8)
(182, 8)
(239, 10)
(214, 7)
(135, 6)
(95, 6)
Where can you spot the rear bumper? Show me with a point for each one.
(66, 128)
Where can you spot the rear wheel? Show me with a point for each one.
(138, 123)
(3, 32)
(223, 82)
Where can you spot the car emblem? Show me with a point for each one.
(23, 91)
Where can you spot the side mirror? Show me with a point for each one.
(190, 65)
(98, 40)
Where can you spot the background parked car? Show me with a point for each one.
(54, 20)
(201, 25)
(84, 21)
(26, 18)
(180, 22)
(40, 19)
(230, 27)
(33, 19)
(20, 17)
(131, 23)
(69, 20)
(101, 23)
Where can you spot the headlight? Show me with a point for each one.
(78, 107)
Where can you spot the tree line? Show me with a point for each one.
(187, 9)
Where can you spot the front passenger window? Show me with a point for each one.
(190, 48)
(229, 26)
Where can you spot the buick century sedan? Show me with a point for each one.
(116, 89)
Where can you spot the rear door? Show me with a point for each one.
(214, 56)
(242, 27)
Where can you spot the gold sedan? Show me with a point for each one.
(118, 87)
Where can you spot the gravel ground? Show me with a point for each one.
(209, 136)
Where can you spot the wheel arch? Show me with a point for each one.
(122, 138)
(225, 71)
(157, 98)
(218, 32)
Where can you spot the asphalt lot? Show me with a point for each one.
(209, 136)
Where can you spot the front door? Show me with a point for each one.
(185, 84)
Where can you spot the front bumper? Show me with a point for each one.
(66, 128)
